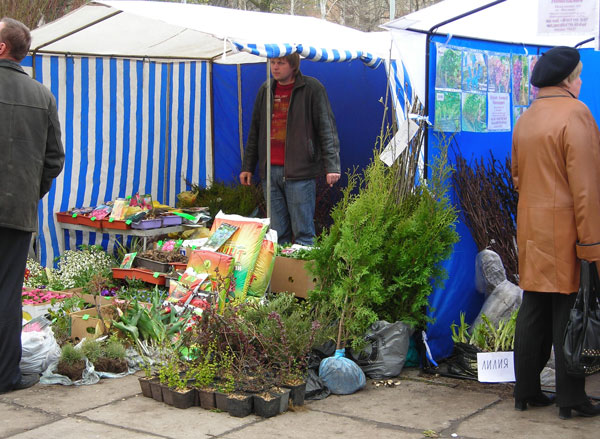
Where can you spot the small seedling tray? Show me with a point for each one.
(171, 220)
(147, 224)
(149, 264)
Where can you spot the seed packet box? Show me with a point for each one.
(291, 275)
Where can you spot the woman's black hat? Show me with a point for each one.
(554, 66)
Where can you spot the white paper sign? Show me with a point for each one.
(399, 142)
(498, 112)
(572, 17)
(495, 367)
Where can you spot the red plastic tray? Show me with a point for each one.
(87, 221)
(116, 224)
(66, 217)
(138, 273)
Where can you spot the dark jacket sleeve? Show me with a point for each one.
(55, 154)
(326, 131)
(251, 151)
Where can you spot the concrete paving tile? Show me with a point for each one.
(78, 428)
(502, 421)
(14, 419)
(67, 400)
(311, 424)
(411, 404)
(145, 414)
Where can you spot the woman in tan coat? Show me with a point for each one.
(556, 170)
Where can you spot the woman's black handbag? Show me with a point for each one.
(582, 336)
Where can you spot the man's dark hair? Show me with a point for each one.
(16, 36)
(293, 60)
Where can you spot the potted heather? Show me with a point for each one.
(71, 362)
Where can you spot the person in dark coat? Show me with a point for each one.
(31, 157)
(304, 145)
(555, 162)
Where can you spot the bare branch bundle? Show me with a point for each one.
(489, 205)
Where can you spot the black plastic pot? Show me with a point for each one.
(221, 401)
(297, 393)
(267, 408)
(207, 399)
(156, 389)
(240, 406)
(284, 394)
(180, 400)
(145, 386)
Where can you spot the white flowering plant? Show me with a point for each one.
(76, 267)
(35, 275)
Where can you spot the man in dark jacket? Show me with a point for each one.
(31, 156)
(304, 144)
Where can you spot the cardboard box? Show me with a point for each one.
(88, 318)
(291, 275)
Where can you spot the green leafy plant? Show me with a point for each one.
(487, 336)
(460, 333)
(169, 375)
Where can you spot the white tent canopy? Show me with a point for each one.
(185, 31)
(510, 21)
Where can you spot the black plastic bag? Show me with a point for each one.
(385, 354)
(463, 362)
(582, 336)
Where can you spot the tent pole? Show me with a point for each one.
(268, 115)
(239, 93)
(430, 33)
(167, 132)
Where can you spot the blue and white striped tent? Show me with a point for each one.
(153, 96)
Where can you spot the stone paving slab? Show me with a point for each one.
(313, 424)
(14, 419)
(503, 421)
(146, 414)
(66, 400)
(416, 405)
(79, 428)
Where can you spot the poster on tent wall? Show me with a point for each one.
(481, 91)
(127, 126)
(569, 17)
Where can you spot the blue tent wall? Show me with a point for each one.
(128, 126)
(459, 293)
(354, 91)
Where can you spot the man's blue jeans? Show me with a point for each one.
(292, 207)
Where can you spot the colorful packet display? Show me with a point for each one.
(264, 265)
(206, 262)
(119, 207)
(244, 245)
(219, 237)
